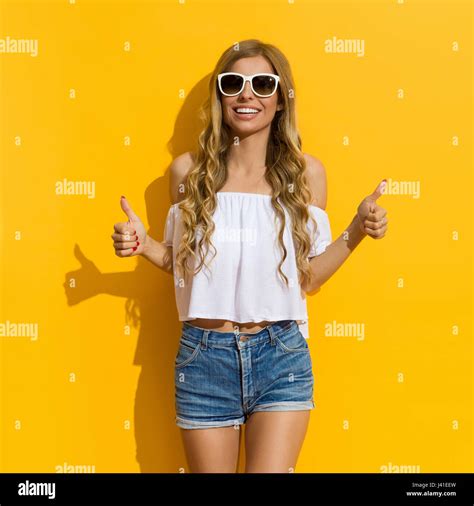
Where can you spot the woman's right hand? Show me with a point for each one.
(129, 237)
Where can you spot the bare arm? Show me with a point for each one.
(369, 220)
(158, 253)
(326, 264)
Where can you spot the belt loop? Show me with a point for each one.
(204, 339)
(271, 331)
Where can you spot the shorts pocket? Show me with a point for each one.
(292, 342)
(188, 351)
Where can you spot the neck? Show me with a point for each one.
(249, 156)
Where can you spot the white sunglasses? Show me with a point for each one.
(262, 84)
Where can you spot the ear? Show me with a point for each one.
(280, 106)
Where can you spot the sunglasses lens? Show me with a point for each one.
(264, 85)
(231, 84)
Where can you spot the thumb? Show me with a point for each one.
(132, 217)
(377, 193)
(83, 260)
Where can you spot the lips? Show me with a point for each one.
(246, 116)
(245, 107)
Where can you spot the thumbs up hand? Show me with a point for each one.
(129, 237)
(373, 218)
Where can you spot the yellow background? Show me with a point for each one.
(402, 396)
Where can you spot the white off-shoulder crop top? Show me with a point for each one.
(242, 283)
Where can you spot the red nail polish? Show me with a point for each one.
(134, 232)
(136, 238)
(138, 243)
(134, 248)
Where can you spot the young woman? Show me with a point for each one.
(246, 237)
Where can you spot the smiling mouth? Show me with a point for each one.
(248, 112)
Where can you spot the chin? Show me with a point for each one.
(246, 130)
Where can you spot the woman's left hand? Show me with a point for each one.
(373, 218)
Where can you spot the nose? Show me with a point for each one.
(247, 91)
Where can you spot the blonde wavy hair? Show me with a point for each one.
(285, 171)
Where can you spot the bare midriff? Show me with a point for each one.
(229, 326)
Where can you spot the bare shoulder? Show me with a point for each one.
(316, 180)
(180, 167)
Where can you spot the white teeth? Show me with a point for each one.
(246, 110)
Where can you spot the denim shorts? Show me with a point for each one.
(221, 378)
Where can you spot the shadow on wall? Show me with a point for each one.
(150, 302)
